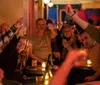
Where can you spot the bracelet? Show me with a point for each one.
(72, 14)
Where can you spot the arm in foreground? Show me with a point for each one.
(62, 73)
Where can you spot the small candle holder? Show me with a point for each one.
(89, 63)
(34, 63)
(43, 64)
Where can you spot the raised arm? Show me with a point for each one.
(83, 24)
(14, 41)
(61, 75)
(53, 31)
(90, 29)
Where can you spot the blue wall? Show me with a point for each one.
(52, 14)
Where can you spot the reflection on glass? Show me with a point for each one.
(39, 79)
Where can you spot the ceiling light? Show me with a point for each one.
(46, 1)
(50, 4)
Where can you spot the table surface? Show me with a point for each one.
(35, 75)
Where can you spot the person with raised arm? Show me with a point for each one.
(8, 57)
(41, 40)
(62, 73)
(90, 29)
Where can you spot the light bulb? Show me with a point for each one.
(50, 4)
(46, 1)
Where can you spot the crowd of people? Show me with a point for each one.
(75, 55)
(65, 45)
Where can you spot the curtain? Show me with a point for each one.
(29, 16)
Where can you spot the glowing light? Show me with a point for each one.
(46, 1)
(89, 63)
(82, 51)
(43, 64)
(43, 69)
(50, 73)
(46, 82)
(47, 76)
(50, 4)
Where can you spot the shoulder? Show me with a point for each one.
(91, 28)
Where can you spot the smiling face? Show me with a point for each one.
(67, 31)
(21, 45)
(86, 40)
(41, 25)
(4, 27)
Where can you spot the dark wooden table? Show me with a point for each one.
(77, 75)
(34, 75)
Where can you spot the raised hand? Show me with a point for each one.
(69, 10)
(51, 26)
(19, 23)
(75, 56)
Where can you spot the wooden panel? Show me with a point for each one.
(90, 5)
(65, 1)
(10, 11)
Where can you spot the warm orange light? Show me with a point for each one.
(47, 76)
(89, 63)
(43, 64)
(82, 51)
(46, 82)
(46, 1)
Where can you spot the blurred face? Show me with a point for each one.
(67, 31)
(86, 40)
(41, 25)
(21, 45)
(4, 27)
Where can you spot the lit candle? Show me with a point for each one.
(43, 64)
(47, 76)
(89, 63)
(46, 82)
(43, 69)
